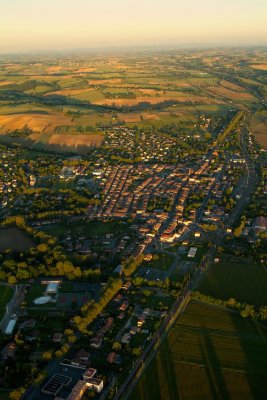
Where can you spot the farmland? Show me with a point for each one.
(244, 282)
(56, 98)
(6, 294)
(209, 353)
(258, 127)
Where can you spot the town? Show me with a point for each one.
(133, 224)
(126, 239)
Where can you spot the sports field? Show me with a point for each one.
(210, 353)
(244, 282)
(6, 294)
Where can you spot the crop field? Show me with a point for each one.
(14, 239)
(93, 93)
(43, 122)
(244, 282)
(69, 140)
(259, 127)
(6, 294)
(210, 353)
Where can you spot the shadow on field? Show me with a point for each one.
(170, 374)
(254, 345)
(214, 372)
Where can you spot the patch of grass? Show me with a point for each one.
(244, 282)
(87, 229)
(155, 301)
(34, 292)
(6, 294)
(14, 239)
(210, 353)
(160, 261)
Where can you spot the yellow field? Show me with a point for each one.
(69, 140)
(231, 86)
(260, 66)
(37, 122)
(224, 92)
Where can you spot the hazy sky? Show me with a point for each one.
(65, 24)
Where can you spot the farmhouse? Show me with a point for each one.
(260, 224)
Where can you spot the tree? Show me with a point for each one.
(42, 248)
(12, 280)
(17, 393)
(136, 351)
(47, 355)
(116, 346)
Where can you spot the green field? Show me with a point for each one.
(244, 282)
(86, 228)
(6, 294)
(210, 353)
(160, 261)
(14, 239)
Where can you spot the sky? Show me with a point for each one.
(37, 25)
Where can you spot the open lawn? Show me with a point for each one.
(88, 229)
(244, 282)
(6, 294)
(160, 261)
(210, 353)
(14, 239)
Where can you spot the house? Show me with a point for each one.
(95, 383)
(134, 330)
(124, 306)
(96, 342)
(260, 224)
(57, 337)
(89, 373)
(126, 285)
(141, 320)
(126, 338)
(81, 358)
(91, 381)
(148, 257)
(114, 358)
